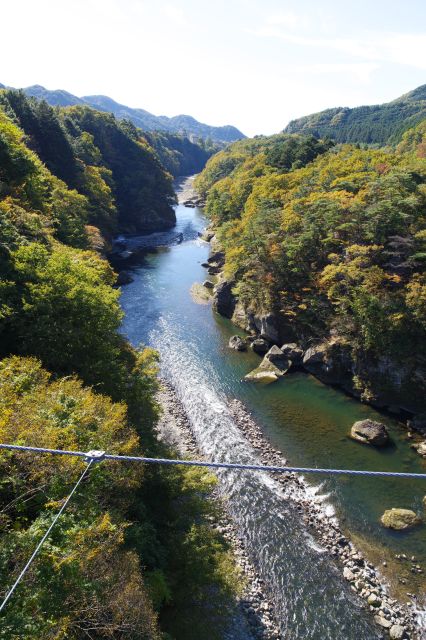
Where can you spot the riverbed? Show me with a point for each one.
(306, 420)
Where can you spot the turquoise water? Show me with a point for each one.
(305, 419)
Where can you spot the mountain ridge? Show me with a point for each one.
(371, 124)
(181, 124)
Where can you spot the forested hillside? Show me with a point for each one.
(330, 239)
(134, 554)
(378, 124)
(183, 125)
(107, 161)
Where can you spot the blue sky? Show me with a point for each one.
(252, 63)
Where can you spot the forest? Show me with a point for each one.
(378, 124)
(331, 239)
(134, 550)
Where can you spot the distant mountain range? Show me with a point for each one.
(181, 124)
(381, 124)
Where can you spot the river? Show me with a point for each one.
(308, 421)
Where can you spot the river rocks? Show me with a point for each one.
(273, 366)
(373, 600)
(208, 284)
(348, 575)
(421, 448)
(224, 299)
(276, 356)
(396, 632)
(253, 618)
(266, 372)
(361, 575)
(418, 423)
(293, 352)
(370, 432)
(123, 278)
(383, 622)
(237, 343)
(214, 270)
(260, 346)
(217, 258)
(399, 519)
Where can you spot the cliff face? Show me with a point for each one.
(383, 382)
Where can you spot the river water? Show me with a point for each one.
(305, 419)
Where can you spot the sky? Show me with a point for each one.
(255, 64)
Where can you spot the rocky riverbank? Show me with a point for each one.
(396, 620)
(253, 617)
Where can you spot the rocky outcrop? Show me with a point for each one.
(208, 284)
(293, 352)
(370, 432)
(237, 343)
(224, 299)
(399, 519)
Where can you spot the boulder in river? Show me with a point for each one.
(224, 299)
(238, 343)
(123, 278)
(259, 345)
(370, 432)
(269, 369)
(276, 356)
(266, 372)
(399, 519)
(293, 352)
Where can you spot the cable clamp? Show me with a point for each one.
(95, 456)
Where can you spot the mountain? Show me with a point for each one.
(181, 124)
(376, 124)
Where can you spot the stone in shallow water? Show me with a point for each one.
(386, 624)
(370, 432)
(266, 372)
(399, 519)
(237, 343)
(276, 357)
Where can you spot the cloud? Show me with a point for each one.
(361, 70)
(400, 48)
(175, 14)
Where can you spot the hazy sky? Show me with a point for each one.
(252, 63)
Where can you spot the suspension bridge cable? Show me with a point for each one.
(46, 535)
(101, 455)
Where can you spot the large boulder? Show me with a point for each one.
(421, 448)
(370, 432)
(237, 343)
(123, 277)
(266, 372)
(399, 519)
(276, 356)
(293, 352)
(260, 346)
(224, 299)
